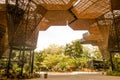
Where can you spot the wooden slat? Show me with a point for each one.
(2, 7)
(93, 37)
(94, 30)
(91, 8)
(3, 18)
(44, 24)
(60, 19)
(55, 4)
(115, 4)
(82, 24)
(2, 1)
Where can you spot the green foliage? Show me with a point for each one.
(97, 55)
(39, 57)
(16, 61)
(59, 63)
(51, 60)
(49, 57)
(2, 63)
(53, 49)
(116, 60)
(60, 58)
(63, 64)
(86, 54)
(113, 73)
(83, 62)
(74, 49)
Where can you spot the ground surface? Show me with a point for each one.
(77, 76)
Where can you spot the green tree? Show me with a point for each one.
(97, 54)
(50, 61)
(49, 57)
(39, 57)
(86, 53)
(116, 60)
(54, 49)
(74, 49)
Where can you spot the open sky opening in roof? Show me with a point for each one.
(59, 35)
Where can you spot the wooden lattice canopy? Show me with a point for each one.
(24, 18)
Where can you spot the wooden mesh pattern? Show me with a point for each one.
(91, 8)
(55, 4)
(23, 17)
(114, 36)
(2, 1)
(23, 24)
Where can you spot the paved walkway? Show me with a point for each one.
(77, 76)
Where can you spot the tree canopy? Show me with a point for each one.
(74, 49)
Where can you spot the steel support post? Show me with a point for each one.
(23, 53)
(9, 63)
(32, 64)
(111, 62)
(30, 60)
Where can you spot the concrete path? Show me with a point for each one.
(77, 76)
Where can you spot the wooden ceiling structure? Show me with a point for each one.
(22, 19)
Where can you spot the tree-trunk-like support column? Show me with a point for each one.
(23, 17)
(114, 30)
(114, 39)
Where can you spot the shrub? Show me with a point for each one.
(113, 73)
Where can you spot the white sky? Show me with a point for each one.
(59, 35)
